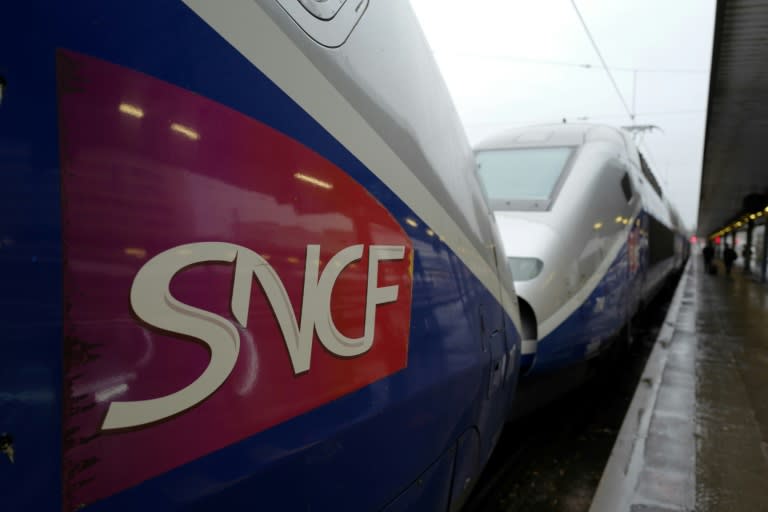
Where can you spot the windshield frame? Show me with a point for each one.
(529, 205)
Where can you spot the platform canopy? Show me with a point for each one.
(735, 173)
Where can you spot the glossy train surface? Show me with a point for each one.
(246, 262)
(587, 234)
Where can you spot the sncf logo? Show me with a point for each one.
(181, 349)
(153, 303)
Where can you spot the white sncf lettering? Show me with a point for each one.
(153, 303)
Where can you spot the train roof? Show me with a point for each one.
(563, 134)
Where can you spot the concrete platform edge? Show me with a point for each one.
(621, 475)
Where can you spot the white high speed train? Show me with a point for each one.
(587, 232)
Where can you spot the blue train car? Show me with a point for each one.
(245, 262)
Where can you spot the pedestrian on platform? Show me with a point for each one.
(709, 254)
(729, 256)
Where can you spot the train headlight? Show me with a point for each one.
(525, 269)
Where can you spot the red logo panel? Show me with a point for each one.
(220, 278)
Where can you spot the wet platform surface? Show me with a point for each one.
(695, 435)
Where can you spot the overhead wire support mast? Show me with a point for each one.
(602, 60)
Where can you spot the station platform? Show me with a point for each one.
(695, 436)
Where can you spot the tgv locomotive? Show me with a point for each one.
(587, 233)
(246, 263)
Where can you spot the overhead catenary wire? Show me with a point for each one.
(552, 62)
(591, 117)
(602, 60)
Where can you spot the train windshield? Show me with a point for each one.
(524, 178)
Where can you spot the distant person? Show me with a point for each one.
(729, 256)
(746, 253)
(709, 254)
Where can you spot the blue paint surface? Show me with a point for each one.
(569, 343)
(30, 264)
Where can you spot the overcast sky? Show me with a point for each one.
(516, 62)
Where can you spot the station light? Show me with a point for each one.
(185, 131)
(136, 252)
(312, 180)
(131, 110)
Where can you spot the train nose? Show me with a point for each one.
(527, 246)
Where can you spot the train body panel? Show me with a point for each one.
(599, 235)
(239, 178)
